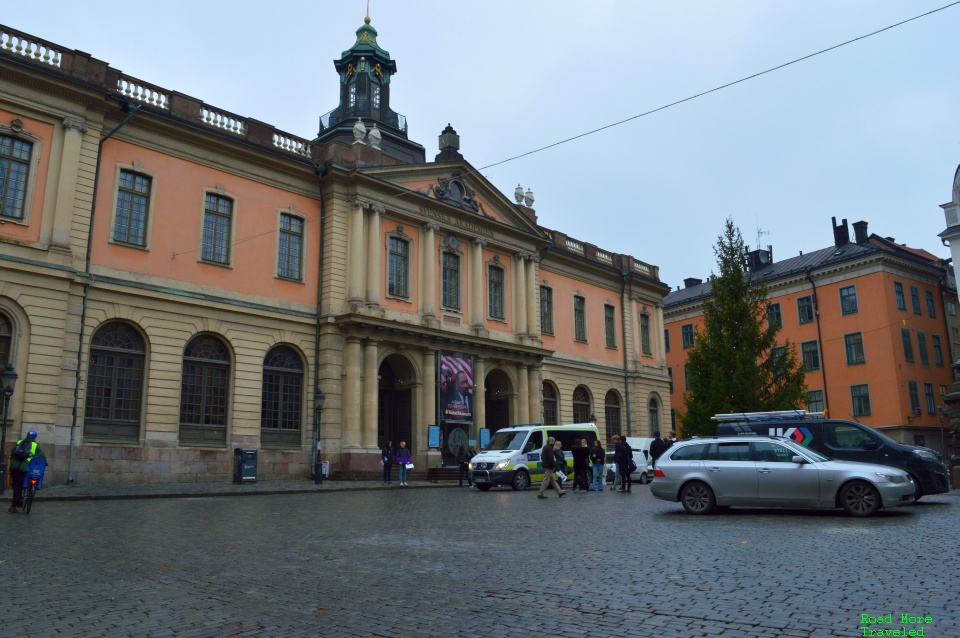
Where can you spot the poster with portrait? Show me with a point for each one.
(455, 388)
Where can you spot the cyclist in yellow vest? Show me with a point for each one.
(18, 468)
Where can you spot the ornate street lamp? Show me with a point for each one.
(8, 379)
(319, 398)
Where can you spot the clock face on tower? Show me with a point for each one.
(763, 256)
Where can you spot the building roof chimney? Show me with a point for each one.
(690, 282)
(841, 233)
(860, 232)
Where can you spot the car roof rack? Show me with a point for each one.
(779, 415)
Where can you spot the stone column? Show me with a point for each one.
(479, 394)
(536, 393)
(429, 387)
(531, 291)
(519, 304)
(523, 392)
(370, 394)
(375, 251)
(661, 352)
(73, 131)
(352, 394)
(477, 312)
(355, 258)
(428, 257)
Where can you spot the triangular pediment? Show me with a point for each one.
(458, 186)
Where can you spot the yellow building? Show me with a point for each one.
(177, 281)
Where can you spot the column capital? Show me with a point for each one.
(432, 226)
(362, 203)
(378, 209)
(74, 125)
(480, 241)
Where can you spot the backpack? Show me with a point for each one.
(22, 450)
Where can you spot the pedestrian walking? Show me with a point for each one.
(561, 458)
(387, 458)
(463, 459)
(657, 447)
(629, 466)
(598, 458)
(548, 461)
(621, 457)
(20, 457)
(403, 458)
(581, 466)
(614, 442)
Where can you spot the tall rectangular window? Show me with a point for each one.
(133, 201)
(645, 334)
(848, 300)
(952, 308)
(579, 318)
(670, 374)
(217, 215)
(860, 396)
(907, 345)
(398, 267)
(922, 348)
(777, 359)
(931, 304)
(686, 335)
(774, 317)
(931, 400)
(937, 349)
(915, 299)
(811, 355)
(853, 344)
(451, 280)
(898, 292)
(666, 339)
(546, 310)
(805, 309)
(610, 326)
(914, 396)
(686, 377)
(495, 294)
(290, 255)
(14, 168)
(815, 401)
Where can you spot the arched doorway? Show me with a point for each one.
(498, 389)
(395, 401)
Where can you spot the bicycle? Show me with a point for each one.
(33, 481)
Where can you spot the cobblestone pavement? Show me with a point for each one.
(346, 561)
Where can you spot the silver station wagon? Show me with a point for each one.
(756, 471)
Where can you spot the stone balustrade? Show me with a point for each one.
(222, 120)
(35, 49)
(143, 92)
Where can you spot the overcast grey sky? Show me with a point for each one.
(869, 131)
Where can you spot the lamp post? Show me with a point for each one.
(8, 379)
(318, 400)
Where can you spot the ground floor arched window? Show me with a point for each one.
(550, 407)
(581, 405)
(611, 409)
(281, 402)
(204, 391)
(114, 384)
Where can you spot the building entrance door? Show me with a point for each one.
(395, 407)
(497, 401)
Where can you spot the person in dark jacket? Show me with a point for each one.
(386, 457)
(622, 456)
(549, 462)
(463, 459)
(561, 459)
(581, 466)
(657, 447)
(598, 458)
(18, 469)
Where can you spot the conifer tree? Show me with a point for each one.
(736, 364)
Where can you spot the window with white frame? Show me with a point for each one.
(398, 267)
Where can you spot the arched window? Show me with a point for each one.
(114, 384)
(654, 416)
(6, 336)
(611, 408)
(581, 405)
(550, 413)
(203, 392)
(281, 404)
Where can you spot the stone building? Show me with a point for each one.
(178, 281)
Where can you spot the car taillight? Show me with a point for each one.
(33, 481)
(659, 472)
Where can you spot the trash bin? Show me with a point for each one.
(244, 466)
(325, 469)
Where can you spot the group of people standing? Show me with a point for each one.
(402, 457)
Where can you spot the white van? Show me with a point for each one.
(512, 457)
(641, 456)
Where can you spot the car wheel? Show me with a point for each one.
(697, 498)
(917, 489)
(483, 487)
(644, 479)
(521, 481)
(859, 499)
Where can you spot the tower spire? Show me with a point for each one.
(367, 19)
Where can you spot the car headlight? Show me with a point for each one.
(501, 465)
(469, 466)
(891, 478)
(925, 455)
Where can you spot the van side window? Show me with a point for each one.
(569, 438)
(535, 444)
(687, 453)
(842, 436)
(772, 453)
(738, 451)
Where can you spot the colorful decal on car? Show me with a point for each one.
(803, 436)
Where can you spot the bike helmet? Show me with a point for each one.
(32, 435)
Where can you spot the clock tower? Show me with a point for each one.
(365, 71)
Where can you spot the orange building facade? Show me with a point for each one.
(178, 281)
(874, 323)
